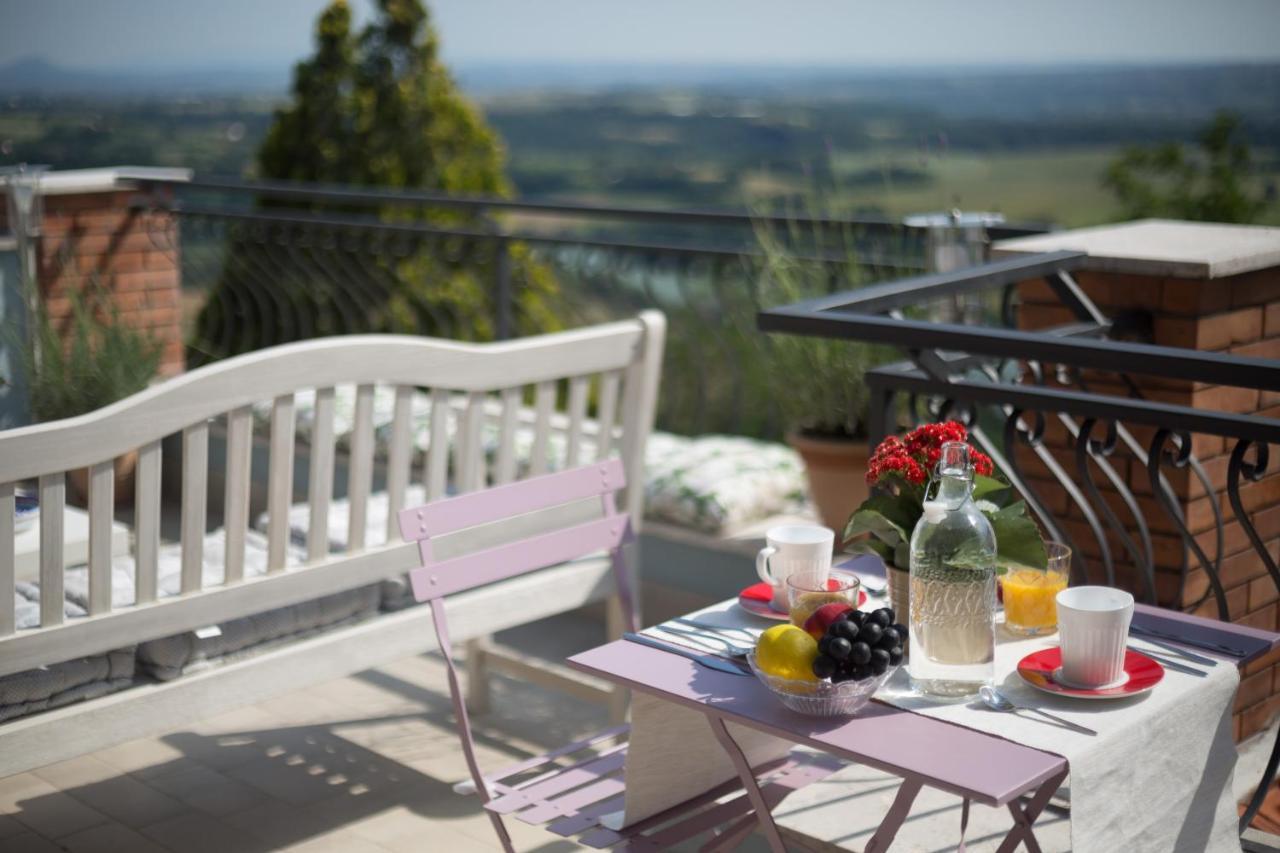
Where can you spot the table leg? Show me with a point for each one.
(1023, 818)
(748, 778)
(895, 816)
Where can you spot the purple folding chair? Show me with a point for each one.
(570, 788)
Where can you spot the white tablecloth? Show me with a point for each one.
(1157, 777)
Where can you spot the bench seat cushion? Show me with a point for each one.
(53, 686)
(169, 657)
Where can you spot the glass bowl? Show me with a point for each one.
(821, 698)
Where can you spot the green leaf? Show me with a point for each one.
(873, 522)
(890, 518)
(1017, 537)
(991, 489)
(872, 545)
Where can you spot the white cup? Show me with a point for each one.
(1093, 625)
(793, 548)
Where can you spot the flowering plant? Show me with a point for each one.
(899, 472)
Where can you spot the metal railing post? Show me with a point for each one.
(502, 291)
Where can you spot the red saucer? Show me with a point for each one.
(1040, 668)
(755, 599)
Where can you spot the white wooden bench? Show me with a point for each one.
(615, 366)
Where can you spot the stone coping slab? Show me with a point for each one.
(1161, 247)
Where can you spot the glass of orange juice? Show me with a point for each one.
(1030, 608)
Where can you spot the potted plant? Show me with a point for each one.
(899, 472)
(92, 362)
(817, 384)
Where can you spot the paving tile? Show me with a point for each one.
(198, 833)
(75, 772)
(42, 808)
(143, 758)
(341, 842)
(128, 800)
(300, 707)
(289, 777)
(109, 838)
(29, 842)
(10, 827)
(206, 790)
(220, 751)
(278, 824)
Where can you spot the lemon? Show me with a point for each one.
(787, 652)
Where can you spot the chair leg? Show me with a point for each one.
(477, 675)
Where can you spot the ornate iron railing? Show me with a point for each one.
(283, 262)
(1162, 498)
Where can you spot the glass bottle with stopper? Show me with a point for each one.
(953, 585)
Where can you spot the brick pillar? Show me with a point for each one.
(90, 236)
(1207, 287)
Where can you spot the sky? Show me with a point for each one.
(139, 34)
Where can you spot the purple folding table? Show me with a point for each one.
(923, 751)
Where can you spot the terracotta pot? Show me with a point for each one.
(78, 481)
(837, 471)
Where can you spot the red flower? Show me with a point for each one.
(913, 457)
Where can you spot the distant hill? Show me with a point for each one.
(35, 76)
(1183, 92)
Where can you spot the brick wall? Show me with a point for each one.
(95, 236)
(1238, 314)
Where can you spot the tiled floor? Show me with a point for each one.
(363, 764)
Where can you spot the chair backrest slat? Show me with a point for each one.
(279, 481)
(102, 510)
(53, 498)
(360, 477)
(236, 499)
(444, 577)
(320, 477)
(515, 558)
(195, 489)
(8, 505)
(499, 502)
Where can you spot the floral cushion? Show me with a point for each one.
(715, 483)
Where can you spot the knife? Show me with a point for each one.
(1169, 663)
(711, 626)
(1199, 644)
(709, 661)
(1181, 652)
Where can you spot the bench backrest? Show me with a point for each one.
(545, 383)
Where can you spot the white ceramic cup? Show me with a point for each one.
(1093, 625)
(792, 548)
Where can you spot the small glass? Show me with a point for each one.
(807, 591)
(1030, 594)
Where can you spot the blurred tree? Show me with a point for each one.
(1169, 181)
(374, 109)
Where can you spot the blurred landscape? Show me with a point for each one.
(1031, 143)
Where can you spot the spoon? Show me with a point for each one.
(997, 701)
